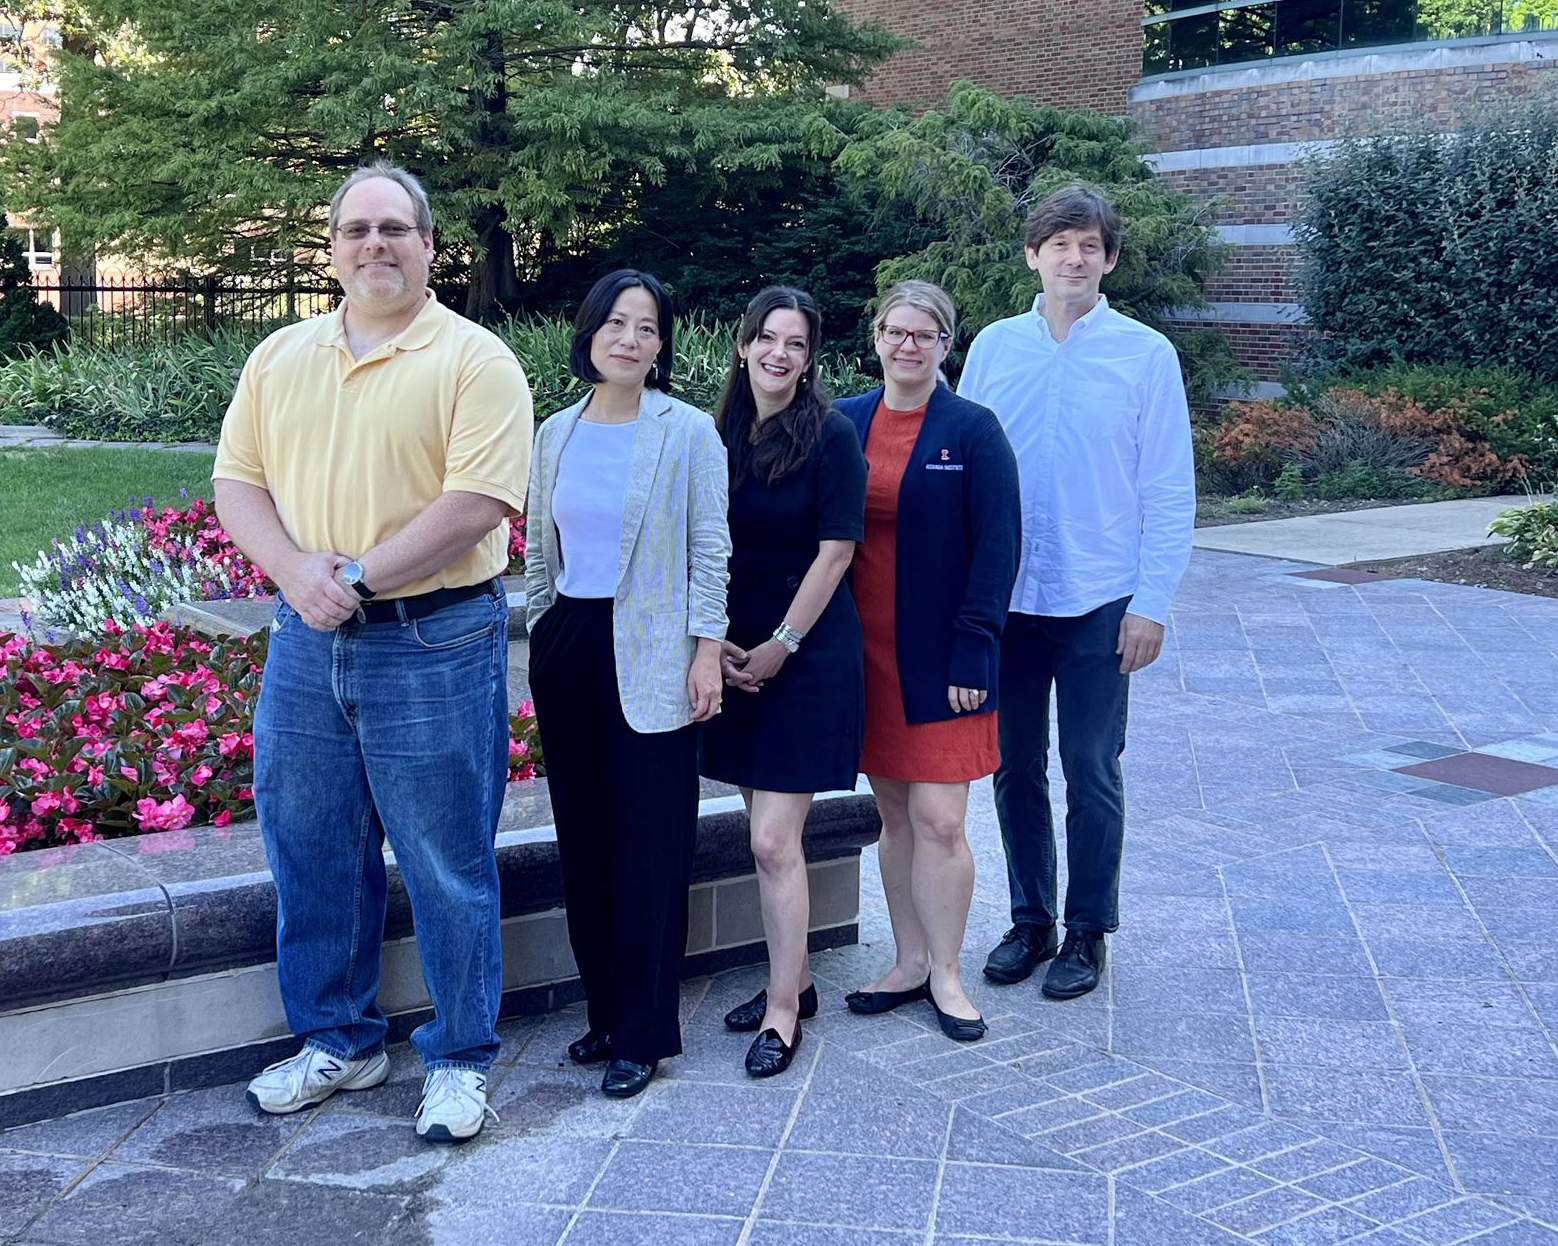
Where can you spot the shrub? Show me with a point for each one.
(179, 391)
(1533, 534)
(1433, 247)
(146, 729)
(26, 324)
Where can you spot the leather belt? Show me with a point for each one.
(404, 609)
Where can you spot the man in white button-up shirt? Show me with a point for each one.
(1094, 406)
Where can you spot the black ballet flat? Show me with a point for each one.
(624, 1078)
(768, 1056)
(594, 1047)
(870, 1003)
(748, 1016)
(963, 1029)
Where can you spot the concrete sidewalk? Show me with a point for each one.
(1359, 536)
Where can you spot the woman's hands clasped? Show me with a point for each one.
(749, 669)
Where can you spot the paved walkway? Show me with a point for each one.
(40, 436)
(1358, 536)
(1330, 1012)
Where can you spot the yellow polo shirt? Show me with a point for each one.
(352, 450)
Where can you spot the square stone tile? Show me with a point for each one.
(1180, 1106)
(1219, 1189)
(1218, 1124)
(677, 1177)
(270, 1213)
(84, 1134)
(499, 1172)
(1000, 1201)
(1259, 1141)
(1366, 1176)
(1321, 996)
(1498, 1051)
(620, 1228)
(136, 1206)
(1176, 1169)
(1314, 1093)
(1500, 1163)
(1144, 1220)
(1183, 1037)
(1042, 1117)
(1434, 957)
(1249, 1216)
(1319, 954)
(1494, 1104)
(868, 1192)
(979, 1140)
(1069, 1139)
(1332, 1044)
(28, 1184)
(1130, 1151)
(783, 1233)
(1329, 1224)
(730, 1115)
(1481, 862)
(488, 1223)
(1501, 776)
(1456, 1221)
(1420, 1001)
(1306, 1161)
(1408, 1198)
(212, 1131)
(1140, 988)
(533, 1100)
(360, 1152)
(910, 1125)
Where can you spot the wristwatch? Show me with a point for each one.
(351, 574)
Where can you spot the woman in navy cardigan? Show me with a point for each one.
(932, 582)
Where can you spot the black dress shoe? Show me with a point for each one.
(1022, 949)
(594, 1047)
(748, 1016)
(1075, 971)
(768, 1055)
(624, 1078)
(964, 1029)
(869, 1003)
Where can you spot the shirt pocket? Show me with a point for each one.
(1104, 407)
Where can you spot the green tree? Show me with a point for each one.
(975, 168)
(196, 127)
(25, 323)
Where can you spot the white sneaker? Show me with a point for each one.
(454, 1105)
(311, 1077)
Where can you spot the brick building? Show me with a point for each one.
(1229, 95)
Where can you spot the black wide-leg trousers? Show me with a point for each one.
(625, 804)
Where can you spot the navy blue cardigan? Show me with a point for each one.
(959, 531)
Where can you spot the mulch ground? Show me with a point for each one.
(1484, 567)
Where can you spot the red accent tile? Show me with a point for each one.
(1503, 776)
(1343, 575)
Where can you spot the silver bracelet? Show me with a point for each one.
(789, 637)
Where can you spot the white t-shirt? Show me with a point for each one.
(587, 501)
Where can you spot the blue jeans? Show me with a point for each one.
(400, 729)
(1076, 657)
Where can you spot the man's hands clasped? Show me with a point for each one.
(312, 588)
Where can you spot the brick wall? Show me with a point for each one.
(1256, 274)
(1070, 53)
(1260, 194)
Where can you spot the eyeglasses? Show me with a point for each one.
(894, 335)
(389, 231)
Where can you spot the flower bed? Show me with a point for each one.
(146, 729)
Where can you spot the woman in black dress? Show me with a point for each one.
(793, 652)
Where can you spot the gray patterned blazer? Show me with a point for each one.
(672, 568)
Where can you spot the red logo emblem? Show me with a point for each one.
(945, 455)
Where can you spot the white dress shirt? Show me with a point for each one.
(1101, 431)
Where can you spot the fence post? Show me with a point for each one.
(209, 319)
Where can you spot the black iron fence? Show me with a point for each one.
(135, 311)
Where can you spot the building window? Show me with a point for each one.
(40, 246)
(25, 125)
(1193, 34)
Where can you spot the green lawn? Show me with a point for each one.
(46, 493)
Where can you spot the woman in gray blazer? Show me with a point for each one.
(625, 576)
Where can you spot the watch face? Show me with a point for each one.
(351, 573)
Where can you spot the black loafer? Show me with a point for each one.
(748, 1016)
(624, 1078)
(594, 1047)
(1075, 971)
(1022, 949)
(769, 1056)
(964, 1029)
(869, 1003)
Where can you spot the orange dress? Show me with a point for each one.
(950, 751)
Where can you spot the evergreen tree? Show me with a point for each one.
(196, 128)
(25, 323)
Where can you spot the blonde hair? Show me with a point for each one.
(925, 296)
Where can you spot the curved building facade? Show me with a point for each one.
(1231, 94)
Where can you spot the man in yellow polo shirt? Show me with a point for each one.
(370, 462)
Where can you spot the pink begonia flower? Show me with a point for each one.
(200, 774)
(80, 829)
(38, 769)
(223, 818)
(45, 804)
(167, 815)
(5, 812)
(94, 775)
(192, 733)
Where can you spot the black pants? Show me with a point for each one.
(625, 805)
(1077, 657)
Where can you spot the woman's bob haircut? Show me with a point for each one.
(597, 306)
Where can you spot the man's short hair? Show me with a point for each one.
(1075, 207)
(421, 212)
(597, 306)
